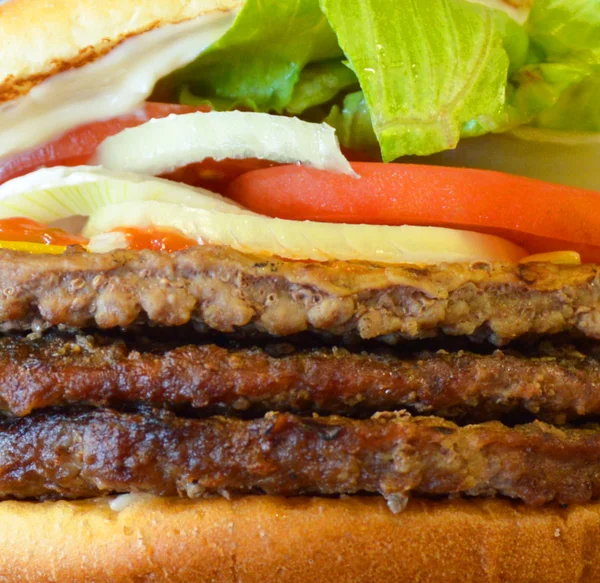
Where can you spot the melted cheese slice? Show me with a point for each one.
(113, 85)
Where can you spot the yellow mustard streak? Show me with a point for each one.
(557, 257)
(38, 248)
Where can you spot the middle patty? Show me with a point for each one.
(556, 383)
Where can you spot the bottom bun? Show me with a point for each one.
(268, 539)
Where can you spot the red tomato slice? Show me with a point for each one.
(539, 216)
(78, 145)
(215, 175)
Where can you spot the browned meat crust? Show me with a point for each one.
(63, 370)
(225, 290)
(91, 453)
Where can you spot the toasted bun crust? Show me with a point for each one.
(268, 540)
(44, 37)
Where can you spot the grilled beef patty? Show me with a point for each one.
(60, 369)
(82, 454)
(224, 290)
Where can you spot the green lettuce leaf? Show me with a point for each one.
(567, 34)
(414, 76)
(260, 59)
(536, 88)
(515, 40)
(440, 66)
(352, 123)
(578, 109)
(319, 83)
(566, 28)
(186, 97)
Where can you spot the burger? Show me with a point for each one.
(264, 317)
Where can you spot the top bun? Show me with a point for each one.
(43, 37)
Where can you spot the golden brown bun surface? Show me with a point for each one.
(266, 539)
(44, 37)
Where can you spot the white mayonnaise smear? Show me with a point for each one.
(113, 85)
(123, 501)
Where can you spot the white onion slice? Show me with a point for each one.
(107, 242)
(51, 194)
(162, 145)
(309, 240)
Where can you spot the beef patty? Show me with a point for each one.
(224, 290)
(76, 452)
(556, 383)
(89, 453)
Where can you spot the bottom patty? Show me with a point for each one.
(90, 453)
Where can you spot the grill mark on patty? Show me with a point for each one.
(223, 290)
(85, 454)
(557, 384)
